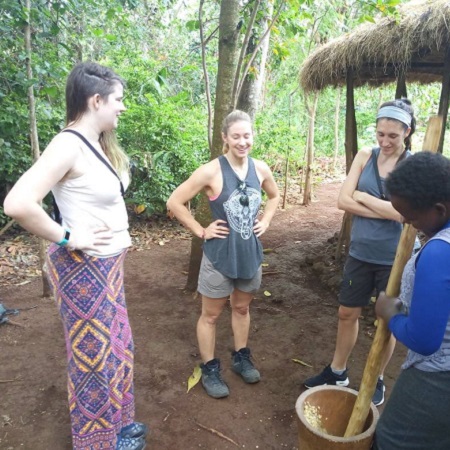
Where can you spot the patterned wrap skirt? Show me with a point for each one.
(89, 292)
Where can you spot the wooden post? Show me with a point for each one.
(445, 96)
(401, 85)
(382, 335)
(351, 136)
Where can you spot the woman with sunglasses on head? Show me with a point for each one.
(416, 415)
(232, 251)
(375, 233)
(87, 172)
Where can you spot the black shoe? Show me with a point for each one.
(212, 380)
(327, 376)
(378, 396)
(134, 430)
(130, 443)
(243, 366)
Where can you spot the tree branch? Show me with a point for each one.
(253, 56)
(234, 97)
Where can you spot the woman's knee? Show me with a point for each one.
(241, 310)
(349, 314)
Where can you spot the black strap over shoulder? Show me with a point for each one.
(377, 174)
(97, 154)
(56, 213)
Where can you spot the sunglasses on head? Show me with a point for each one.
(243, 199)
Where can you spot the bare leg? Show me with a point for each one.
(388, 354)
(347, 335)
(240, 317)
(206, 326)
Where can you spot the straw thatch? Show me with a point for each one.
(378, 52)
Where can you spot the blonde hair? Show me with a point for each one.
(232, 118)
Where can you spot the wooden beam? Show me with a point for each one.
(401, 86)
(445, 96)
(351, 136)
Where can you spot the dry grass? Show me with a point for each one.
(378, 52)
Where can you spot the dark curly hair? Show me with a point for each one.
(422, 180)
(405, 104)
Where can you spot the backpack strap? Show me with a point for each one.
(97, 154)
(56, 213)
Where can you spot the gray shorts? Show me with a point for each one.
(212, 284)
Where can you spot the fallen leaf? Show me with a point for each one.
(267, 293)
(265, 265)
(194, 378)
(299, 361)
(268, 250)
(139, 209)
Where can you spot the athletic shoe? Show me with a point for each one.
(327, 376)
(130, 443)
(378, 396)
(243, 366)
(212, 380)
(134, 430)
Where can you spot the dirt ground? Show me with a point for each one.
(298, 321)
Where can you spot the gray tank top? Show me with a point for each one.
(440, 360)
(373, 240)
(240, 254)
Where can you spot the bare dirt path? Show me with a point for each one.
(298, 321)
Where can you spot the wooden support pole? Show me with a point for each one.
(400, 91)
(351, 136)
(445, 97)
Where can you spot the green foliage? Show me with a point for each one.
(164, 147)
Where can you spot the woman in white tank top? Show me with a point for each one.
(87, 172)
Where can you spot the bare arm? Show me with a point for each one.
(382, 207)
(23, 201)
(346, 201)
(199, 180)
(270, 187)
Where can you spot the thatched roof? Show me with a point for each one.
(379, 51)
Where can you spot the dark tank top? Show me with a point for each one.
(240, 254)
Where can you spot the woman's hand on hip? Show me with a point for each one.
(90, 239)
(217, 230)
(260, 227)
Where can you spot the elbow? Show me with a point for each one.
(12, 208)
(341, 204)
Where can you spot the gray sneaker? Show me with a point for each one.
(243, 366)
(212, 380)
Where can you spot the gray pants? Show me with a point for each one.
(417, 414)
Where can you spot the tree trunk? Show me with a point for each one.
(34, 138)
(249, 98)
(228, 53)
(310, 150)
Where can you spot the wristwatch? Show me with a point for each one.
(65, 240)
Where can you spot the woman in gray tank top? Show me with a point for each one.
(416, 415)
(375, 233)
(232, 251)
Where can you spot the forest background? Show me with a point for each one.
(169, 59)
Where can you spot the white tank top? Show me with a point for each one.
(92, 200)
